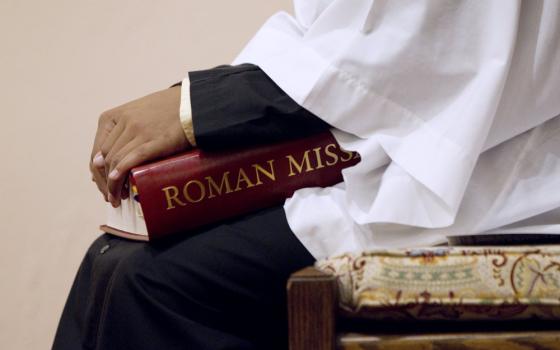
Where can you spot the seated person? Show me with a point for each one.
(452, 106)
(222, 287)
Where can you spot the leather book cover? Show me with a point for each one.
(197, 187)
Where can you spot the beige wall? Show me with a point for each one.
(62, 62)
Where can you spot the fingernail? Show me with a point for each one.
(98, 160)
(114, 174)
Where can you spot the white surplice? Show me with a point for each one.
(451, 105)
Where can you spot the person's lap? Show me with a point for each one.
(222, 287)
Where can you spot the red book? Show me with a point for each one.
(195, 188)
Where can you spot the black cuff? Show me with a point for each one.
(237, 106)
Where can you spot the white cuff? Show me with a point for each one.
(185, 111)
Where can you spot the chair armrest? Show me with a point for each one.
(312, 301)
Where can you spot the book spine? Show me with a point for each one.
(198, 188)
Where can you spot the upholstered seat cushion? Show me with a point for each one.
(466, 283)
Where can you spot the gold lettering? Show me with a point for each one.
(171, 194)
(188, 195)
(299, 167)
(348, 153)
(318, 157)
(259, 169)
(218, 189)
(331, 154)
(242, 177)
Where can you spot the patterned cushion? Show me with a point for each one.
(467, 283)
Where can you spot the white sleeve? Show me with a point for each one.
(419, 88)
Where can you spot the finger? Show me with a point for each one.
(104, 127)
(97, 168)
(118, 175)
(106, 147)
(115, 159)
(118, 145)
(100, 180)
(96, 164)
(113, 136)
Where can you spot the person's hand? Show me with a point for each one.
(132, 134)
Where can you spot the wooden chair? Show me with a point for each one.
(317, 323)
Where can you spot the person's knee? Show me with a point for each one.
(96, 246)
(133, 268)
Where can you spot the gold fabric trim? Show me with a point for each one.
(466, 283)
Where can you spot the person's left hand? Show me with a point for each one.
(132, 134)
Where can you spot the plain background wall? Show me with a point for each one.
(62, 63)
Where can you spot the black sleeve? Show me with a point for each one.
(236, 106)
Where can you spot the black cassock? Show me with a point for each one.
(220, 287)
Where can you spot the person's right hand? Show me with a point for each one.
(134, 133)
